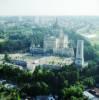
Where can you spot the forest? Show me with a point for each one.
(67, 83)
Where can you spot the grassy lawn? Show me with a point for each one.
(2, 40)
(95, 42)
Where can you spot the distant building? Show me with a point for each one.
(36, 50)
(79, 61)
(20, 63)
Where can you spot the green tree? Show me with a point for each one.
(90, 82)
(6, 57)
(73, 91)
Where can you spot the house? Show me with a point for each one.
(90, 96)
(45, 97)
(2, 81)
(95, 91)
(9, 86)
(20, 63)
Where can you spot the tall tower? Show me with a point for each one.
(61, 39)
(79, 61)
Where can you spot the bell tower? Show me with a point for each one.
(79, 61)
(61, 39)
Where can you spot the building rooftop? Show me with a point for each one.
(89, 95)
(45, 98)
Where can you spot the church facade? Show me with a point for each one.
(58, 45)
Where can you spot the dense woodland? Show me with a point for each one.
(68, 83)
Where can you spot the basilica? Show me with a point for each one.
(58, 45)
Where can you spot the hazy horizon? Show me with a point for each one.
(49, 8)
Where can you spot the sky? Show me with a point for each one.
(49, 7)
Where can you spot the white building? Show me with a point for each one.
(80, 53)
(90, 96)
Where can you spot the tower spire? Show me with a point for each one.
(56, 24)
